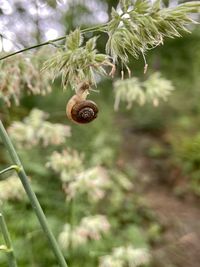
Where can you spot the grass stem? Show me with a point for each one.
(50, 42)
(9, 248)
(32, 197)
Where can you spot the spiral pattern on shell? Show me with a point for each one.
(84, 111)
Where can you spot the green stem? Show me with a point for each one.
(11, 168)
(91, 29)
(10, 252)
(96, 28)
(32, 47)
(71, 221)
(32, 197)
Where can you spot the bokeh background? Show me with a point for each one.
(141, 167)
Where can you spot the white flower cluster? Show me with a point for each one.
(154, 89)
(92, 181)
(11, 189)
(35, 129)
(128, 90)
(90, 228)
(126, 256)
(67, 163)
(157, 88)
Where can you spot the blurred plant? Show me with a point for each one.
(79, 179)
(90, 228)
(157, 88)
(155, 232)
(18, 167)
(152, 90)
(126, 256)
(92, 181)
(11, 189)
(128, 90)
(69, 165)
(22, 75)
(35, 129)
(121, 179)
(186, 153)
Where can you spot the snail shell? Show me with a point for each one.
(80, 110)
(84, 111)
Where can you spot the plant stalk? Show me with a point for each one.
(91, 29)
(32, 197)
(9, 248)
(11, 168)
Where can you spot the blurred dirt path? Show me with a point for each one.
(180, 218)
(181, 221)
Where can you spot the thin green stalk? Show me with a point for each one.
(9, 248)
(71, 221)
(32, 47)
(91, 29)
(32, 197)
(11, 168)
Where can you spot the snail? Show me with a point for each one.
(80, 110)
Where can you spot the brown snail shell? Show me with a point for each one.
(80, 110)
(84, 111)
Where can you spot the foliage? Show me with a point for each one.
(89, 224)
(77, 63)
(67, 163)
(37, 130)
(187, 156)
(141, 26)
(22, 75)
(75, 179)
(123, 256)
(11, 189)
(90, 228)
(151, 90)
